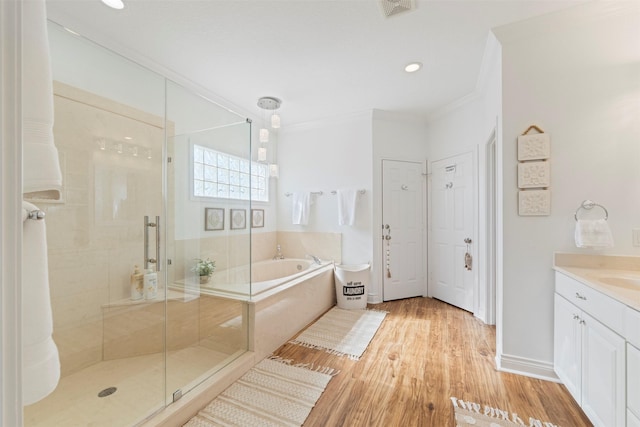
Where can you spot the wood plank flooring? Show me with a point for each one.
(425, 352)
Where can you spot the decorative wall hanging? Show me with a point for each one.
(534, 173)
(534, 202)
(534, 147)
(238, 218)
(213, 219)
(257, 218)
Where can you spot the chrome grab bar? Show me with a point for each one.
(148, 260)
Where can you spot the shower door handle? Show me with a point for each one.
(148, 260)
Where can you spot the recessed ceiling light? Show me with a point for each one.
(413, 67)
(115, 4)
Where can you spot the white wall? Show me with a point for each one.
(395, 137)
(466, 126)
(324, 156)
(575, 74)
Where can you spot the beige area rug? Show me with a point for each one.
(272, 393)
(342, 332)
(470, 414)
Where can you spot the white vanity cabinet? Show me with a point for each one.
(633, 386)
(589, 353)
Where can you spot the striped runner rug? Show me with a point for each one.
(470, 414)
(272, 393)
(342, 332)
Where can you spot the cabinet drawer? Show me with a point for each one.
(632, 326)
(607, 310)
(633, 384)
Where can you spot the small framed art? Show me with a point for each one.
(257, 218)
(213, 219)
(238, 218)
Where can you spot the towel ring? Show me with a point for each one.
(588, 204)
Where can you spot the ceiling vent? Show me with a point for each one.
(393, 7)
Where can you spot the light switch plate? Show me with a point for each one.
(636, 236)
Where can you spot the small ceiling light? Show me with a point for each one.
(262, 154)
(275, 120)
(264, 135)
(114, 4)
(272, 104)
(128, 138)
(413, 67)
(69, 30)
(274, 171)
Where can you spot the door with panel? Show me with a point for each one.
(403, 230)
(452, 229)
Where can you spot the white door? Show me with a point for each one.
(402, 230)
(452, 219)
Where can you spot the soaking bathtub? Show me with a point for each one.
(261, 277)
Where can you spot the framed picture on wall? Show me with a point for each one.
(213, 219)
(257, 218)
(238, 218)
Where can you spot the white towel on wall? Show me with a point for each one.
(593, 233)
(42, 175)
(347, 201)
(40, 360)
(300, 206)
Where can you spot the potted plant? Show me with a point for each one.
(204, 268)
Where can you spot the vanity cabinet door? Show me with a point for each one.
(633, 385)
(567, 348)
(603, 374)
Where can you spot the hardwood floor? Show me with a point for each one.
(425, 352)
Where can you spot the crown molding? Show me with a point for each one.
(492, 51)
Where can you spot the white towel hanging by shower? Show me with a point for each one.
(300, 206)
(40, 360)
(347, 201)
(42, 175)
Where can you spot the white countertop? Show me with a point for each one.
(590, 270)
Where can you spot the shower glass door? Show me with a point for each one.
(132, 327)
(208, 254)
(110, 133)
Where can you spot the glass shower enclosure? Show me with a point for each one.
(133, 327)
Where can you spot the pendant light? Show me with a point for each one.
(269, 103)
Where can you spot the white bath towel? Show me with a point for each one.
(593, 233)
(347, 200)
(40, 360)
(42, 175)
(300, 206)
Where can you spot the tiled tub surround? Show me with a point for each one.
(597, 335)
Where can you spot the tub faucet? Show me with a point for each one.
(315, 259)
(278, 254)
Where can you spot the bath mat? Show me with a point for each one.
(342, 332)
(470, 414)
(272, 393)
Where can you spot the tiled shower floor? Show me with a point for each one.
(140, 389)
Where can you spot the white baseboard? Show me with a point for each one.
(527, 367)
